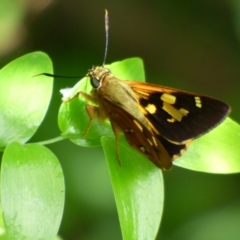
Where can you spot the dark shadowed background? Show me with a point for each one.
(191, 45)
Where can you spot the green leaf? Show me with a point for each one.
(32, 192)
(138, 190)
(24, 97)
(216, 152)
(73, 119)
(128, 69)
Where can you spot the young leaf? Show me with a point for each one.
(32, 192)
(138, 190)
(216, 152)
(24, 97)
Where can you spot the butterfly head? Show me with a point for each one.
(97, 75)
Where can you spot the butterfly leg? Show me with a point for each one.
(116, 132)
(93, 113)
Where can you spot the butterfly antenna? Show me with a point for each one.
(106, 31)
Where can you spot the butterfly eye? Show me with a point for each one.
(95, 82)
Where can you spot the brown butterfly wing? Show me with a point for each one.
(179, 116)
(138, 136)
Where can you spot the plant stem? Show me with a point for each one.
(53, 140)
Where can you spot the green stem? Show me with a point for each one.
(53, 140)
(50, 141)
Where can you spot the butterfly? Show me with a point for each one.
(158, 121)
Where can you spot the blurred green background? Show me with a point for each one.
(193, 45)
